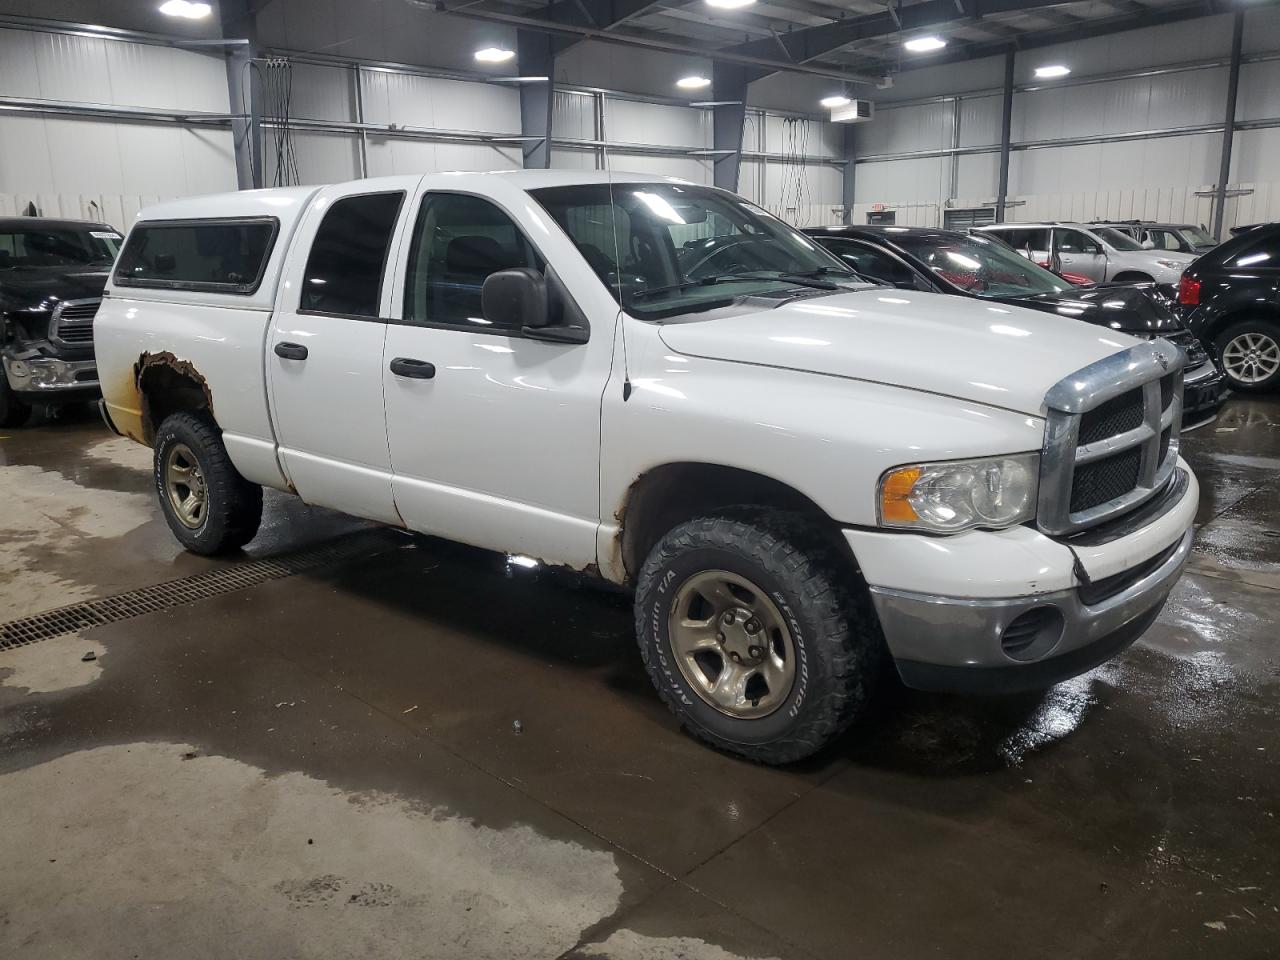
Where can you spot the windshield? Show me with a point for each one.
(981, 266)
(1197, 237)
(37, 246)
(1114, 238)
(665, 248)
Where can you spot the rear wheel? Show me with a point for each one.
(13, 412)
(754, 635)
(1250, 353)
(209, 507)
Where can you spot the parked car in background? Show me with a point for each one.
(1170, 237)
(1099, 253)
(1230, 299)
(51, 277)
(976, 265)
(800, 473)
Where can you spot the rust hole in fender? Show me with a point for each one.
(163, 384)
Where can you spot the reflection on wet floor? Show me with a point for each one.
(330, 764)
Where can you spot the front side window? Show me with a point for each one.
(458, 241)
(1073, 241)
(664, 249)
(349, 255)
(1029, 240)
(1118, 240)
(35, 246)
(980, 266)
(226, 256)
(1197, 237)
(1165, 240)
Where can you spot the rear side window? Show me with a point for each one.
(1034, 238)
(224, 256)
(349, 255)
(1263, 254)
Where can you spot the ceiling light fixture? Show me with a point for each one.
(837, 101)
(186, 9)
(694, 82)
(494, 55)
(1051, 71)
(730, 4)
(925, 44)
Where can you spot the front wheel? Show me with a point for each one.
(1250, 352)
(210, 508)
(13, 412)
(754, 635)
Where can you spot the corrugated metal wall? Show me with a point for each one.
(100, 168)
(1147, 177)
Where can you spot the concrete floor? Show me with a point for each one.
(326, 765)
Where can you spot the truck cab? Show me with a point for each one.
(798, 472)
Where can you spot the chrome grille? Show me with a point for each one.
(1111, 437)
(72, 322)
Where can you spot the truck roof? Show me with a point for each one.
(53, 223)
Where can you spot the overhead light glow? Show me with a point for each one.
(693, 83)
(185, 8)
(925, 44)
(1051, 71)
(494, 55)
(832, 102)
(730, 4)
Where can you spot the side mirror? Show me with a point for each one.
(515, 298)
(537, 304)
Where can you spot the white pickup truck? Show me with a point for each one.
(799, 472)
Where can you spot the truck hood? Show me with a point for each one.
(1002, 356)
(1118, 306)
(40, 288)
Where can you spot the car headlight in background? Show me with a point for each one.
(958, 495)
(1171, 264)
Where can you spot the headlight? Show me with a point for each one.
(961, 494)
(1171, 264)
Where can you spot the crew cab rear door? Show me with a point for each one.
(324, 349)
(495, 435)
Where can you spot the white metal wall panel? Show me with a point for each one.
(925, 126)
(1259, 94)
(946, 80)
(322, 157)
(573, 115)
(323, 92)
(980, 121)
(903, 181)
(388, 157)
(564, 158)
(816, 138)
(1253, 156)
(1170, 161)
(631, 121)
(978, 176)
(695, 169)
(415, 101)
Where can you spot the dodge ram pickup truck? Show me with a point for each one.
(51, 278)
(798, 472)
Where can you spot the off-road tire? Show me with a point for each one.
(837, 638)
(234, 505)
(13, 412)
(1266, 328)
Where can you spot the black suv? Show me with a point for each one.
(975, 265)
(51, 277)
(1230, 299)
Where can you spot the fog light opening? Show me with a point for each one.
(1032, 635)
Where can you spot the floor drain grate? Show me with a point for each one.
(176, 593)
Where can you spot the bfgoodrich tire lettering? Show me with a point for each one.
(832, 630)
(232, 506)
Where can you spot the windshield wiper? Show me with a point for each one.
(799, 279)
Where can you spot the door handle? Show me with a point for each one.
(413, 369)
(291, 351)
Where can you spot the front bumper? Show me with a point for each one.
(1204, 391)
(48, 380)
(997, 612)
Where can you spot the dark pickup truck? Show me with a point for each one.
(51, 277)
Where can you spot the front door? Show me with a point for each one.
(494, 436)
(1077, 253)
(324, 353)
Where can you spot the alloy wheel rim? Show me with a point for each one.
(185, 486)
(1251, 357)
(732, 645)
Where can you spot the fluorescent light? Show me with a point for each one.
(730, 4)
(1051, 71)
(185, 8)
(693, 83)
(494, 55)
(925, 44)
(832, 102)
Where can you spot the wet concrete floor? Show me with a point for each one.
(327, 765)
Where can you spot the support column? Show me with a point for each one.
(728, 83)
(850, 170)
(243, 93)
(536, 57)
(1228, 125)
(1006, 127)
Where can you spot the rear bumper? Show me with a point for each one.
(1000, 611)
(1204, 391)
